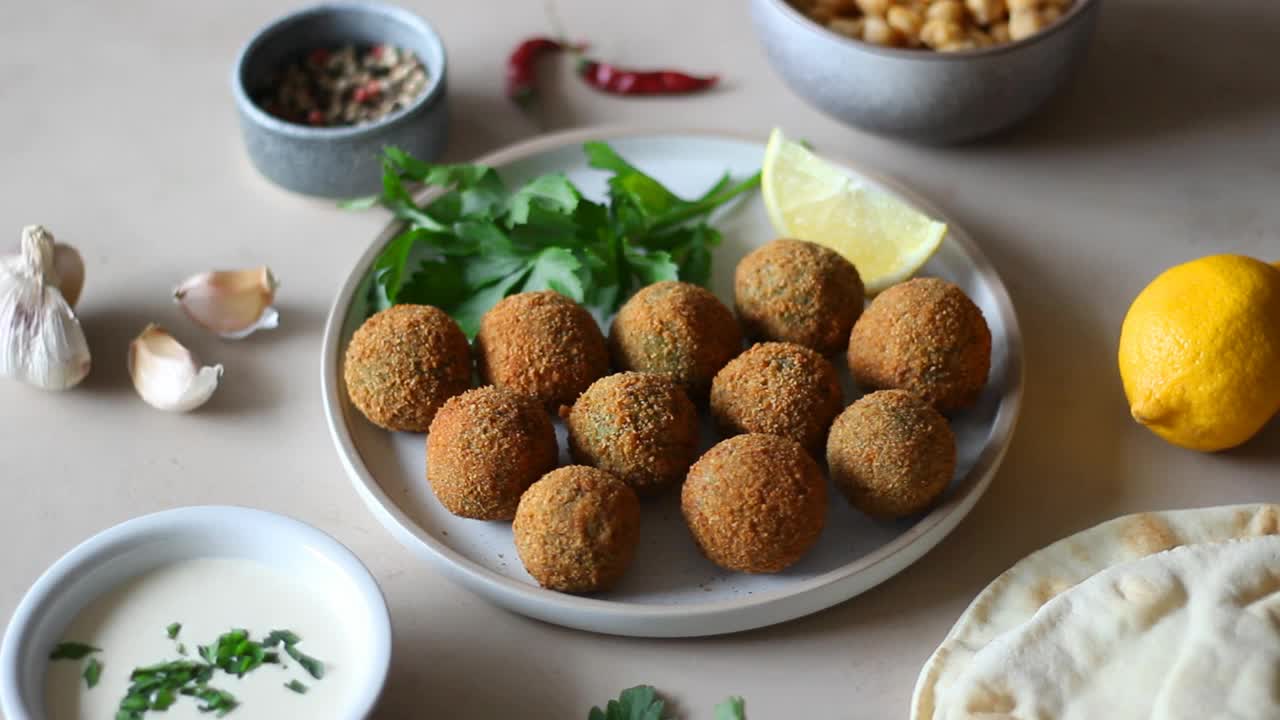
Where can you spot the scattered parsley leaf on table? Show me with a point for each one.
(734, 708)
(637, 703)
(473, 241)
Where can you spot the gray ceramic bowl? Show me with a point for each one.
(922, 95)
(343, 161)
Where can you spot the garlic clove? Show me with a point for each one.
(232, 303)
(41, 341)
(167, 375)
(68, 267)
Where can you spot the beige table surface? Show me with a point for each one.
(117, 131)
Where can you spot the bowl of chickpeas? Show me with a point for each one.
(932, 71)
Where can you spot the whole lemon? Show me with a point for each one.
(1200, 352)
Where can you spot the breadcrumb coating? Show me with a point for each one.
(891, 454)
(798, 292)
(541, 344)
(577, 529)
(641, 427)
(778, 389)
(924, 335)
(755, 503)
(675, 329)
(485, 448)
(403, 363)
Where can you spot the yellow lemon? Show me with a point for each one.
(1200, 352)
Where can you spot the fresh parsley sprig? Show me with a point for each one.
(474, 242)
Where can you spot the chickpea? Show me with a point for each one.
(877, 31)
(1024, 24)
(821, 15)
(876, 8)
(946, 11)
(957, 46)
(906, 20)
(937, 33)
(1000, 33)
(986, 11)
(849, 27)
(1062, 5)
(1050, 14)
(839, 7)
(1016, 5)
(980, 38)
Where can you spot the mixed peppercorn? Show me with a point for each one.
(345, 86)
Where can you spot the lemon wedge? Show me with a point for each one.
(810, 199)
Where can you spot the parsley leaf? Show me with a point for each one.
(734, 708)
(92, 672)
(72, 651)
(470, 242)
(637, 703)
(173, 630)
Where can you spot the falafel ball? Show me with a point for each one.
(755, 503)
(778, 389)
(577, 529)
(403, 363)
(485, 448)
(675, 329)
(641, 427)
(798, 292)
(891, 454)
(541, 344)
(924, 335)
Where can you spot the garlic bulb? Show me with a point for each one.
(232, 303)
(41, 342)
(167, 375)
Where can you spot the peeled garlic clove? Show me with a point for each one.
(41, 341)
(232, 303)
(167, 375)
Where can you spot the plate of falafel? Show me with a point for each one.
(708, 459)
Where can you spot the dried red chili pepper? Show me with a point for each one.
(523, 62)
(621, 81)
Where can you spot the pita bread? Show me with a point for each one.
(1186, 634)
(1015, 596)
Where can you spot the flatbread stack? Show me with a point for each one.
(1166, 615)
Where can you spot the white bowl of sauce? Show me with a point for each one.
(221, 608)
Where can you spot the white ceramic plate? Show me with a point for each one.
(672, 590)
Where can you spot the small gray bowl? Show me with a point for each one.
(921, 95)
(342, 161)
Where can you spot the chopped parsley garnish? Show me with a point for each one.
(275, 637)
(72, 651)
(314, 667)
(92, 672)
(157, 687)
(173, 630)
